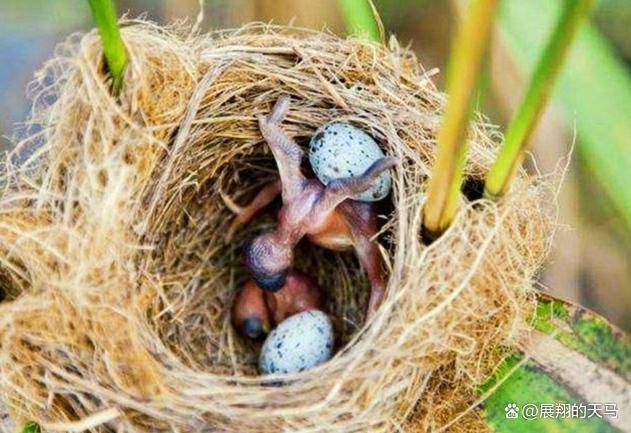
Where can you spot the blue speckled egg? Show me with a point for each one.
(299, 343)
(341, 150)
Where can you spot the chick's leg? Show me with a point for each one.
(370, 258)
(287, 153)
(244, 214)
(343, 188)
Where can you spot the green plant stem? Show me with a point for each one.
(594, 92)
(537, 95)
(463, 74)
(359, 18)
(104, 15)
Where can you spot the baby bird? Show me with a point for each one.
(250, 315)
(255, 310)
(310, 209)
(300, 293)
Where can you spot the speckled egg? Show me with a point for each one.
(341, 150)
(299, 343)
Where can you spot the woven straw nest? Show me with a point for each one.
(120, 279)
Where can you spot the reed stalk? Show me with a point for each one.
(361, 18)
(104, 15)
(537, 95)
(463, 74)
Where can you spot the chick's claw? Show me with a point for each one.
(280, 109)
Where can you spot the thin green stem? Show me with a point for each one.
(359, 18)
(104, 15)
(518, 133)
(463, 74)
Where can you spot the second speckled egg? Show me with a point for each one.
(339, 149)
(299, 343)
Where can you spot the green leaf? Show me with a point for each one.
(31, 427)
(529, 385)
(593, 365)
(594, 90)
(586, 332)
(104, 15)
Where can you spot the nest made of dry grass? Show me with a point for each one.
(113, 246)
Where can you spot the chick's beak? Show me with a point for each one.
(249, 312)
(271, 283)
(255, 328)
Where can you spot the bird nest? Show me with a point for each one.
(119, 275)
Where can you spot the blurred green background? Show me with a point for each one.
(590, 262)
